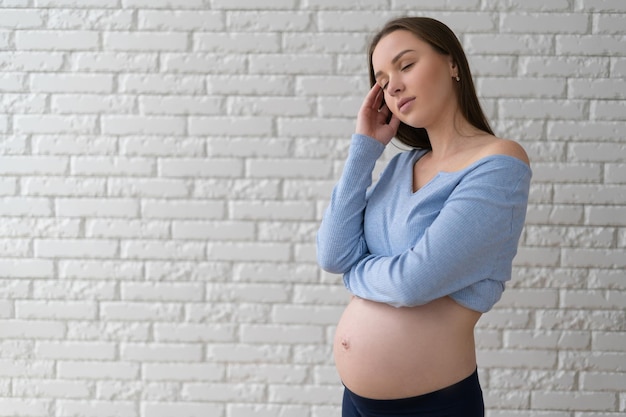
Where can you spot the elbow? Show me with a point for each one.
(331, 263)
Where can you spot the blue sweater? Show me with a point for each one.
(456, 236)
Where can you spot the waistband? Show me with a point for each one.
(468, 388)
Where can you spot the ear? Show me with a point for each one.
(454, 69)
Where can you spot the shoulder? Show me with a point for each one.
(497, 146)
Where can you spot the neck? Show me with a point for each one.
(448, 138)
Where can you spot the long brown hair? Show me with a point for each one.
(443, 40)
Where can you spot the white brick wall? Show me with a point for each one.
(163, 169)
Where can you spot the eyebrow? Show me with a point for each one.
(393, 61)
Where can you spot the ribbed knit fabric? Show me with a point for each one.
(455, 236)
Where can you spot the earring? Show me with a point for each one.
(458, 79)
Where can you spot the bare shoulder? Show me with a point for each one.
(498, 146)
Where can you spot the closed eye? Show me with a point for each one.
(408, 66)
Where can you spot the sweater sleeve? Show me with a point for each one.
(340, 240)
(467, 249)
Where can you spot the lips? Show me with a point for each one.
(404, 103)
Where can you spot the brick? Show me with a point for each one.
(260, 21)
(605, 216)
(156, 352)
(162, 292)
(68, 310)
(321, 315)
(223, 392)
(180, 20)
(112, 166)
(100, 269)
(63, 186)
(248, 147)
(181, 409)
(144, 41)
(291, 210)
(290, 64)
(509, 358)
(189, 332)
(609, 152)
(268, 410)
(43, 124)
(237, 188)
(596, 45)
(204, 63)
(113, 61)
(125, 228)
(237, 42)
(186, 271)
(599, 88)
(269, 333)
(269, 373)
(73, 145)
(222, 230)
(31, 329)
(86, 104)
(610, 341)
(528, 87)
(545, 23)
(109, 207)
(142, 125)
(25, 407)
(47, 388)
(608, 24)
(352, 20)
(161, 146)
(92, 19)
(139, 311)
(147, 187)
(21, 19)
(97, 370)
(508, 44)
(33, 165)
(96, 408)
(268, 168)
(564, 66)
(161, 249)
(25, 206)
(247, 293)
(596, 401)
(90, 248)
(570, 236)
(76, 350)
(303, 394)
(530, 379)
(160, 84)
(72, 83)
(56, 40)
(84, 4)
(240, 126)
(181, 105)
(593, 257)
(182, 209)
(74, 290)
(227, 251)
(540, 109)
(23, 103)
(247, 353)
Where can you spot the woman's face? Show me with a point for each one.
(417, 80)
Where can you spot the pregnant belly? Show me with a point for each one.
(383, 352)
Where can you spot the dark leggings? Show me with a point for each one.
(463, 399)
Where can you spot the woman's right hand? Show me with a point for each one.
(372, 118)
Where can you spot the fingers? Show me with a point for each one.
(374, 97)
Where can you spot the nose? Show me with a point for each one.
(394, 86)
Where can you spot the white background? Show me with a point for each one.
(163, 169)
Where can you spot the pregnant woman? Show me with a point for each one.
(429, 247)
